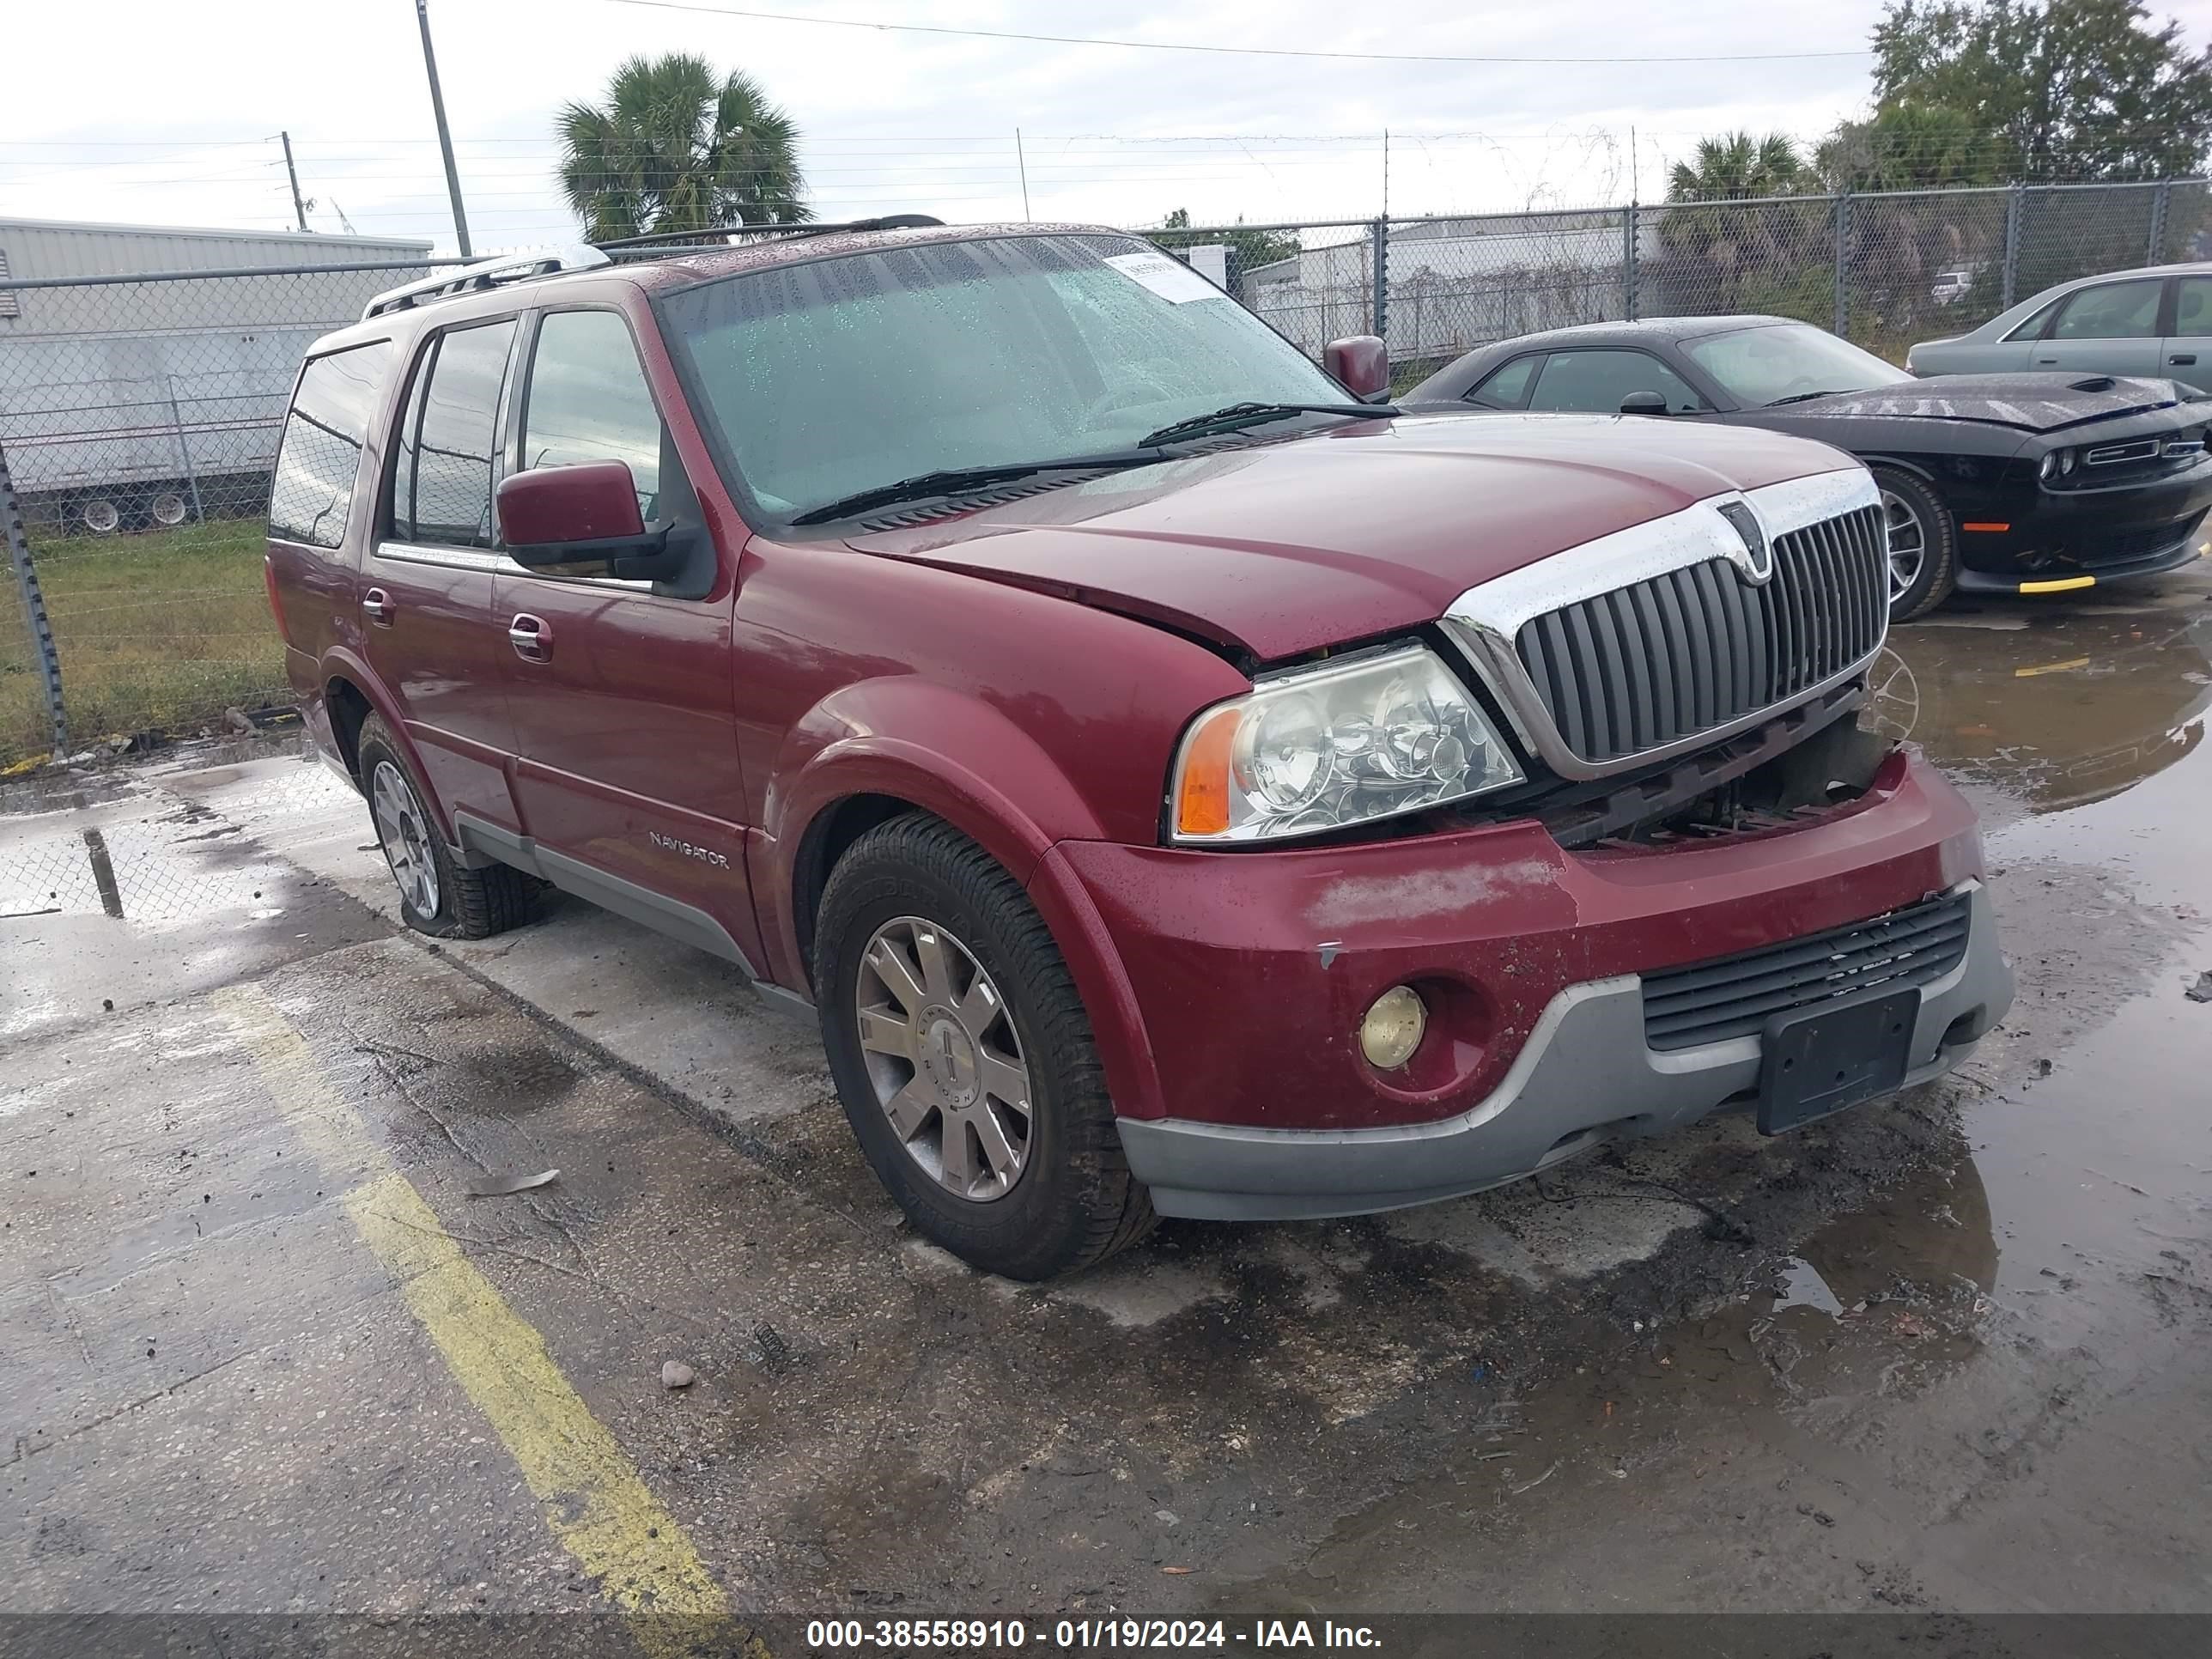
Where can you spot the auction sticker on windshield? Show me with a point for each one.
(1169, 278)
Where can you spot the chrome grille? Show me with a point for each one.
(1699, 647)
(1712, 1001)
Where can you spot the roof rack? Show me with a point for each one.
(485, 273)
(722, 235)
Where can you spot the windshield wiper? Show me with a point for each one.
(956, 481)
(1799, 397)
(1249, 414)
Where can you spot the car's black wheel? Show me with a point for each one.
(1923, 546)
(964, 1058)
(436, 895)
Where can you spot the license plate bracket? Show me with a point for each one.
(1822, 1059)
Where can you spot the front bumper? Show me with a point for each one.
(1584, 1076)
(2059, 540)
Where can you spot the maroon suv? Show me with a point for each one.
(1177, 784)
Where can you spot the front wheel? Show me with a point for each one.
(1922, 546)
(964, 1058)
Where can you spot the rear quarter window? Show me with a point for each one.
(311, 497)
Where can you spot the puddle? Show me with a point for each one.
(1801, 1286)
(2058, 713)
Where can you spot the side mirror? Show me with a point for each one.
(1643, 403)
(586, 514)
(1361, 364)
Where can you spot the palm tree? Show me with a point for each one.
(1726, 248)
(1735, 166)
(674, 149)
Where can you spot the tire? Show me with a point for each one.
(1070, 1199)
(1916, 517)
(437, 896)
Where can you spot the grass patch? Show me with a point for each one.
(156, 632)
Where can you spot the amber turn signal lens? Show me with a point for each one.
(1202, 790)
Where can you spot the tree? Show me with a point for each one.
(2057, 90)
(1907, 146)
(674, 149)
(1735, 166)
(1725, 250)
(1254, 248)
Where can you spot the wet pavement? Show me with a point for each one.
(1943, 1354)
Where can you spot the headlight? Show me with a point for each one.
(2056, 464)
(1346, 743)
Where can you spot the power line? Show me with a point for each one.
(1235, 51)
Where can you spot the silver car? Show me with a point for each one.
(2155, 323)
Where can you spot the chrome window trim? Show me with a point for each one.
(1485, 621)
(491, 563)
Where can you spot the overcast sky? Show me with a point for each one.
(150, 112)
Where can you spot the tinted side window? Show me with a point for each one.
(2118, 311)
(1597, 381)
(1505, 387)
(588, 401)
(311, 495)
(443, 493)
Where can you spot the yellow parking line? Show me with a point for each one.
(2066, 585)
(592, 1496)
(2071, 664)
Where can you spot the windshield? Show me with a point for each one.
(1756, 366)
(839, 375)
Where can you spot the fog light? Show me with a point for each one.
(1393, 1028)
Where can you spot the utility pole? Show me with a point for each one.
(445, 137)
(299, 207)
(1386, 173)
(1022, 162)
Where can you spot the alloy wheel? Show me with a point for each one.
(1908, 544)
(942, 1055)
(405, 837)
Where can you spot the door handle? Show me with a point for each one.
(376, 606)
(2048, 362)
(531, 636)
(2182, 358)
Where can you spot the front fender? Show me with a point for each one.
(966, 762)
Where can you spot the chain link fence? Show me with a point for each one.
(139, 418)
(1883, 270)
(139, 414)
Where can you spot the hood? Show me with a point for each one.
(2040, 402)
(1359, 530)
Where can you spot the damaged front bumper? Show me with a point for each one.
(1585, 1076)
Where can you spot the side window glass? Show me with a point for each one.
(2118, 311)
(588, 401)
(452, 467)
(311, 496)
(2033, 327)
(1505, 387)
(2192, 311)
(1597, 381)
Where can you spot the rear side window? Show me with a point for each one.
(1595, 381)
(443, 479)
(311, 495)
(588, 401)
(2033, 327)
(1506, 387)
(2118, 311)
